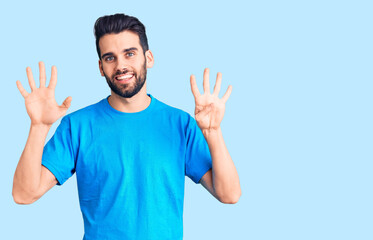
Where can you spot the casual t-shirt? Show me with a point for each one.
(130, 168)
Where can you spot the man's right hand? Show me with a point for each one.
(41, 104)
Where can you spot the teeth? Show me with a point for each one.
(125, 77)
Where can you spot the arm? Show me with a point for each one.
(31, 179)
(222, 180)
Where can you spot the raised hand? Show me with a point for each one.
(41, 104)
(209, 111)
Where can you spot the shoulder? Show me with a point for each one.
(88, 112)
(173, 112)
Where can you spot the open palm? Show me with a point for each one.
(41, 104)
(209, 111)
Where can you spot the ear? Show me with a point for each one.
(101, 69)
(149, 59)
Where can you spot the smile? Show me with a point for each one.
(124, 78)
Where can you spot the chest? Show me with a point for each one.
(117, 157)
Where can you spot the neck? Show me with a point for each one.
(137, 103)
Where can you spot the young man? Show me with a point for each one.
(130, 151)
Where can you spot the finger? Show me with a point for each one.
(23, 92)
(217, 84)
(42, 76)
(67, 103)
(227, 94)
(30, 78)
(53, 81)
(194, 87)
(206, 81)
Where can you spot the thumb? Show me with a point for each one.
(66, 104)
(204, 112)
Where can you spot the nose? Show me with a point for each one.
(121, 64)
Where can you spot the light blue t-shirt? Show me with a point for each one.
(130, 168)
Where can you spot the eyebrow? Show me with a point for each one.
(124, 51)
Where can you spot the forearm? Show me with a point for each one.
(26, 180)
(225, 178)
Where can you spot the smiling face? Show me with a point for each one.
(123, 63)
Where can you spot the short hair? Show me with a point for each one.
(118, 23)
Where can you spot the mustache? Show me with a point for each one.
(123, 72)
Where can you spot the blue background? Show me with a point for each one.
(298, 124)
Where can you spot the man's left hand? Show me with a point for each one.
(209, 111)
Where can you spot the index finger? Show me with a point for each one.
(194, 87)
(53, 81)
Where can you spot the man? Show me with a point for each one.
(130, 151)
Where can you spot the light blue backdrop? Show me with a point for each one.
(298, 124)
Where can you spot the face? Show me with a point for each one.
(123, 63)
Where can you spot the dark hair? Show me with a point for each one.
(117, 23)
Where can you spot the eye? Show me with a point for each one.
(130, 54)
(109, 58)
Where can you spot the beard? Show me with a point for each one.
(127, 90)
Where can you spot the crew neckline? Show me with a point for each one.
(110, 109)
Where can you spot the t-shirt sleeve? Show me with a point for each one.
(198, 158)
(58, 154)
